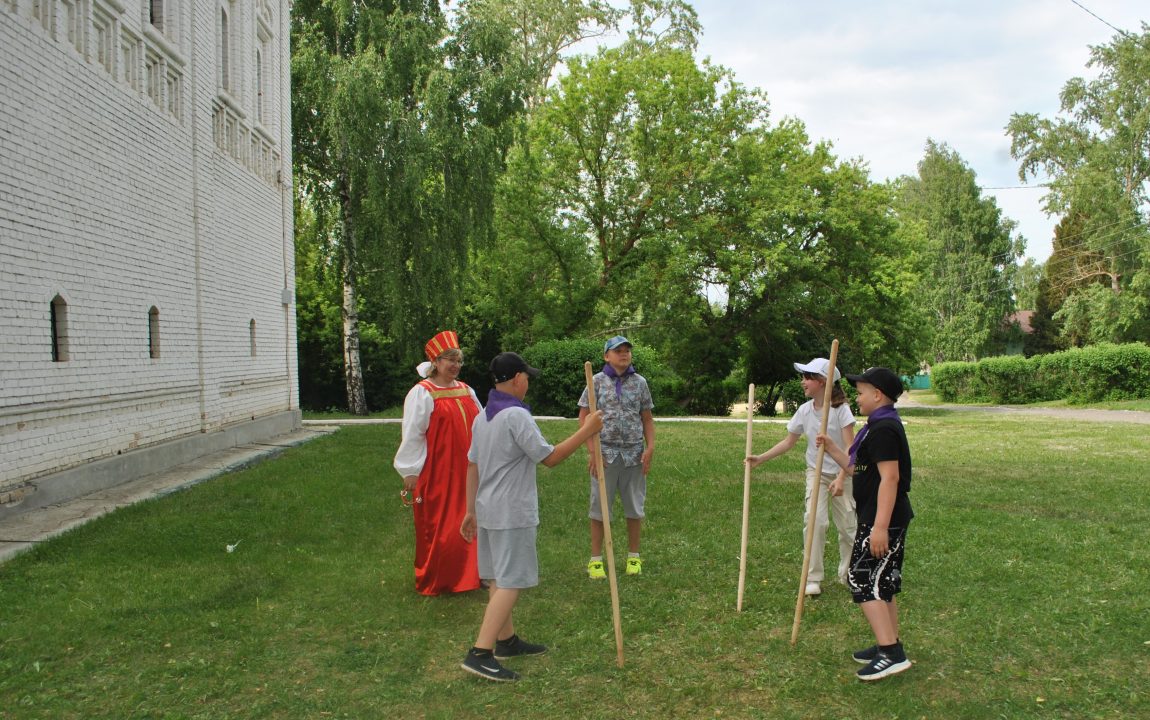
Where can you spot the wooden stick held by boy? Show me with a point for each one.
(608, 547)
(833, 360)
(746, 497)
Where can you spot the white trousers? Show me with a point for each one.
(843, 510)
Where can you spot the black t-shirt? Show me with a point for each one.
(885, 440)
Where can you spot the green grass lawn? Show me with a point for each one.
(1025, 592)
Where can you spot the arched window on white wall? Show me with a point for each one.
(224, 47)
(154, 333)
(265, 70)
(261, 91)
(156, 14)
(164, 15)
(58, 317)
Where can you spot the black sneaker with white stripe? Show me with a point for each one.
(865, 655)
(487, 667)
(515, 647)
(885, 664)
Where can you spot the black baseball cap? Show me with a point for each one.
(507, 365)
(882, 378)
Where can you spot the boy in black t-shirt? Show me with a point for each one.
(880, 457)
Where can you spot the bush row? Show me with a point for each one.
(1080, 375)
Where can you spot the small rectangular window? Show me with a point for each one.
(44, 11)
(154, 76)
(104, 39)
(130, 60)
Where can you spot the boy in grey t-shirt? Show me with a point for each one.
(503, 509)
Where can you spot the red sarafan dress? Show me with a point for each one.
(444, 561)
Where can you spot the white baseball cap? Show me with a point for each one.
(818, 366)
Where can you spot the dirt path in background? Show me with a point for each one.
(1137, 417)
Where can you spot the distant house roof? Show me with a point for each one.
(1022, 317)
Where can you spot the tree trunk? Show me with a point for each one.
(352, 368)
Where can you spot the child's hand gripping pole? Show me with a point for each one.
(608, 548)
(815, 492)
(746, 497)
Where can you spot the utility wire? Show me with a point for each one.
(968, 286)
(1096, 17)
(1035, 186)
(1108, 243)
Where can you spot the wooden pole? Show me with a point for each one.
(604, 505)
(815, 493)
(746, 497)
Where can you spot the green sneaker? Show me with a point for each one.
(634, 566)
(595, 570)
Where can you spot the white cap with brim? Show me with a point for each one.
(818, 366)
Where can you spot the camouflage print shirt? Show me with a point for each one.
(622, 434)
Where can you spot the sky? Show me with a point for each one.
(877, 78)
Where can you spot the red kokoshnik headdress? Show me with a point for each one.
(441, 343)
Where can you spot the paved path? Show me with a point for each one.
(1139, 417)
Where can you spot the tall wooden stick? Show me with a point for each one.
(605, 507)
(746, 497)
(814, 506)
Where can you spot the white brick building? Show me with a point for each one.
(146, 262)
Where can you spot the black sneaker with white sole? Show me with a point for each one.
(515, 647)
(884, 664)
(488, 668)
(865, 655)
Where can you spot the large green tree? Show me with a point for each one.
(401, 122)
(1097, 158)
(968, 252)
(651, 195)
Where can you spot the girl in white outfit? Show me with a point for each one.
(836, 489)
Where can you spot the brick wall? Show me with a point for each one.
(131, 178)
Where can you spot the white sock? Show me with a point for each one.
(596, 558)
(632, 555)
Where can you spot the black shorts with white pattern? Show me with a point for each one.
(876, 578)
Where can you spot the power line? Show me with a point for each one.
(1035, 186)
(1095, 15)
(1109, 249)
(1109, 243)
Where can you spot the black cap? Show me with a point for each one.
(506, 366)
(882, 378)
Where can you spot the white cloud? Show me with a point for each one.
(878, 78)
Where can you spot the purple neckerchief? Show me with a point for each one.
(886, 411)
(610, 372)
(497, 401)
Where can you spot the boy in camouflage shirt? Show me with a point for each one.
(628, 443)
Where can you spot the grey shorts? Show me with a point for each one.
(629, 482)
(508, 557)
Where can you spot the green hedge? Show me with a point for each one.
(1008, 379)
(1080, 375)
(1109, 372)
(958, 382)
(562, 381)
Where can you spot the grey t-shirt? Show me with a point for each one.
(507, 449)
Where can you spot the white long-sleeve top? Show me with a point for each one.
(417, 409)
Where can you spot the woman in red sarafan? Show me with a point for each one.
(432, 459)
